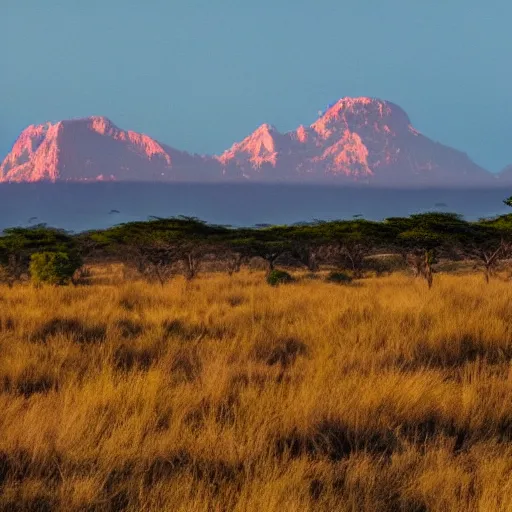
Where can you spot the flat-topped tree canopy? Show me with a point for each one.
(36, 238)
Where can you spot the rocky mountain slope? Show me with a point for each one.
(94, 149)
(357, 140)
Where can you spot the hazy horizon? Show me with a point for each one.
(79, 207)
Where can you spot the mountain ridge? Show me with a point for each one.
(356, 140)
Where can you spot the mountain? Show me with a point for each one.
(94, 149)
(505, 175)
(357, 140)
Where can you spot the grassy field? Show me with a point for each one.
(226, 394)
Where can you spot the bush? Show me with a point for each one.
(276, 277)
(53, 267)
(385, 263)
(339, 278)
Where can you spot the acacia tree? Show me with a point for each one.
(268, 244)
(13, 266)
(349, 243)
(195, 240)
(422, 238)
(158, 247)
(307, 243)
(153, 259)
(268, 250)
(16, 248)
(421, 252)
(139, 249)
(488, 244)
(191, 254)
(233, 259)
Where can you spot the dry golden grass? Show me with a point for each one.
(227, 394)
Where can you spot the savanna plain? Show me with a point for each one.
(227, 394)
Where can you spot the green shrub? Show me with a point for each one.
(276, 277)
(53, 267)
(339, 278)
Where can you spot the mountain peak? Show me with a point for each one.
(362, 111)
(101, 124)
(35, 154)
(302, 134)
(77, 149)
(360, 139)
(265, 128)
(259, 147)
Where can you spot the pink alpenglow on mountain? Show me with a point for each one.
(260, 147)
(93, 149)
(357, 140)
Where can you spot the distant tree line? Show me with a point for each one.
(160, 248)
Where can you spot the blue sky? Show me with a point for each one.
(200, 75)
